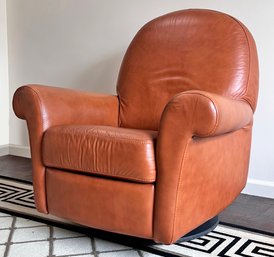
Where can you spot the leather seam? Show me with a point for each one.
(119, 111)
(131, 140)
(216, 118)
(40, 153)
(177, 190)
(99, 172)
(40, 103)
(211, 132)
(249, 56)
(249, 63)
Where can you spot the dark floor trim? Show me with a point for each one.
(247, 228)
(16, 179)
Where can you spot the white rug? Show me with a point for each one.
(23, 237)
(26, 238)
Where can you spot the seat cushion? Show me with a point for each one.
(126, 154)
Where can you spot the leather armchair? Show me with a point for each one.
(166, 154)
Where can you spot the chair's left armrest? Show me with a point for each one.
(43, 107)
(202, 150)
(203, 114)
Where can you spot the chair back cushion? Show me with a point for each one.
(180, 51)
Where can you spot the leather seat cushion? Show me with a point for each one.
(127, 154)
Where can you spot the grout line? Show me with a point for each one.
(93, 245)
(44, 240)
(74, 255)
(69, 237)
(36, 226)
(51, 239)
(119, 250)
(30, 241)
(10, 236)
(139, 253)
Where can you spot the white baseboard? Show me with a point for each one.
(259, 187)
(4, 150)
(17, 150)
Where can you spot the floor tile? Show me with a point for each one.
(34, 249)
(146, 254)
(21, 222)
(30, 234)
(64, 233)
(130, 253)
(84, 255)
(2, 250)
(2, 214)
(72, 246)
(5, 222)
(102, 245)
(4, 235)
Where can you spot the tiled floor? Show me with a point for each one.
(25, 238)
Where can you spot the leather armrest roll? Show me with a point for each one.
(60, 106)
(43, 107)
(195, 127)
(204, 114)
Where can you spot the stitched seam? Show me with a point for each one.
(177, 190)
(39, 100)
(217, 113)
(216, 119)
(249, 63)
(99, 172)
(248, 102)
(40, 106)
(36, 93)
(114, 139)
(119, 110)
(249, 54)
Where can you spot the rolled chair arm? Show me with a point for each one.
(43, 107)
(59, 106)
(193, 128)
(203, 114)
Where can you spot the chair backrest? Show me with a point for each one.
(185, 50)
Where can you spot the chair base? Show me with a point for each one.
(202, 230)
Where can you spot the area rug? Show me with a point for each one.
(26, 233)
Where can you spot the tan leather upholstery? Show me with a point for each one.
(171, 150)
(96, 150)
(185, 50)
(101, 203)
(202, 165)
(44, 107)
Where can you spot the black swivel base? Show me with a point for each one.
(201, 230)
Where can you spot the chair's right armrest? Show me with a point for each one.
(43, 107)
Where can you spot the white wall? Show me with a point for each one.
(4, 83)
(80, 44)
